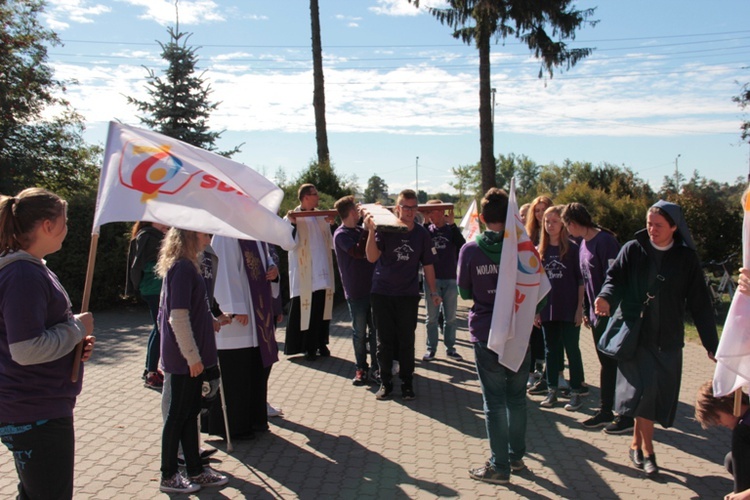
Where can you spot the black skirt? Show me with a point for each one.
(245, 384)
(648, 385)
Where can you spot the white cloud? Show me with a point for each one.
(395, 8)
(190, 11)
(404, 8)
(60, 13)
(597, 98)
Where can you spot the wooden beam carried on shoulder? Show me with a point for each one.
(316, 213)
(384, 219)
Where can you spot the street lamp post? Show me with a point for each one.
(417, 171)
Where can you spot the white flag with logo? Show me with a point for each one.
(521, 285)
(733, 355)
(470, 222)
(151, 177)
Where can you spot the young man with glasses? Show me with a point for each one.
(395, 291)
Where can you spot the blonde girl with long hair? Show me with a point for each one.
(188, 345)
(536, 383)
(534, 215)
(561, 317)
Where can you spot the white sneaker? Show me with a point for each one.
(550, 400)
(575, 402)
(273, 412)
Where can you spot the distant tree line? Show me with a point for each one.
(618, 198)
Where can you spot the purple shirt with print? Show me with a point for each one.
(397, 269)
(564, 276)
(354, 268)
(184, 288)
(477, 273)
(595, 257)
(446, 257)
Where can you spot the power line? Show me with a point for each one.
(514, 42)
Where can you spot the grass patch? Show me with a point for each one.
(691, 333)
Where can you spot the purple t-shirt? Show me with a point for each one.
(565, 277)
(32, 300)
(354, 268)
(595, 257)
(477, 273)
(184, 288)
(397, 269)
(446, 257)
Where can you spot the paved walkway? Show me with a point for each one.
(337, 441)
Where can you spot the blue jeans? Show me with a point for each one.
(363, 332)
(153, 353)
(448, 291)
(504, 394)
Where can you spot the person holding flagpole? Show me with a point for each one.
(655, 276)
(38, 338)
(486, 267)
(311, 279)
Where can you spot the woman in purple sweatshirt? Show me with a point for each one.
(38, 336)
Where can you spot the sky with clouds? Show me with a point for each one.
(402, 94)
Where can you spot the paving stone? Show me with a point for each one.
(337, 441)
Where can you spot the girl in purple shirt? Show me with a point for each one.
(599, 248)
(188, 345)
(38, 338)
(561, 318)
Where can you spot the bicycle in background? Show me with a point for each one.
(726, 285)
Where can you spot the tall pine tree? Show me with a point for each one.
(179, 104)
(535, 23)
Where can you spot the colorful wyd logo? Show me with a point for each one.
(149, 169)
(528, 258)
(529, 265)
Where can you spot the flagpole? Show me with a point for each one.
(738, 402)
(85, 303)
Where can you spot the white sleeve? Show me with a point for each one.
(231, 280)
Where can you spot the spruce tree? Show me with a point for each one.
(179, 104)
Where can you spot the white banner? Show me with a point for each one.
(470, 222)
(151, 177)
(733, 355)
(521, 285)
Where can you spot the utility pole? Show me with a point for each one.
(417, 170)
(676, 174)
